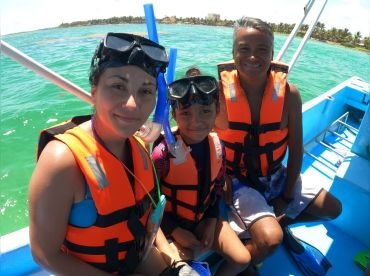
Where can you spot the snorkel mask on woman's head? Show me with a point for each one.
(190, 90)
(130, 49)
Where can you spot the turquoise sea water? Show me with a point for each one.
(29, 103)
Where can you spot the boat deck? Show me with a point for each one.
(329, 161)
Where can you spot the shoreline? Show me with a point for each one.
(341, 37)
(359, 49)
(184, 21)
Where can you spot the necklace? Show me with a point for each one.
(100, 140)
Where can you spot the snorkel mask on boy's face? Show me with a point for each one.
(129, 49)
(185, 92)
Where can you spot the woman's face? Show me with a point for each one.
(123, 98)
(195, 122)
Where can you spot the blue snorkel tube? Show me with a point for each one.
(151, 129)
(170, 139)
(175, 147)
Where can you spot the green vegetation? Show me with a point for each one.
(334, 35)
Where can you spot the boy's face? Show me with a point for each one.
(252, 52)
(195, 122)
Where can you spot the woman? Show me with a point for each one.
(193, 182)
(93, 187)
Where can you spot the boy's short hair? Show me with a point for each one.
(193, 71)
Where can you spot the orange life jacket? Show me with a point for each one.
(245, 141)
(115, 241)
(182, 185)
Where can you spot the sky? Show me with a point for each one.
(27, 15)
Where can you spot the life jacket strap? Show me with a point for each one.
(197, 210)
(117, 216)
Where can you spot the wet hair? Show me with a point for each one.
(97, 70)
(255, 23)
(121, 49)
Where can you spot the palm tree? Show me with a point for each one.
(319, 32)
(357, 38)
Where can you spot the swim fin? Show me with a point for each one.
(309, 259)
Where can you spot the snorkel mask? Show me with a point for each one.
(128, 49)
(187, 91)
(183, 93)
(120, 49)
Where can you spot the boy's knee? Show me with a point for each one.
(271, 242)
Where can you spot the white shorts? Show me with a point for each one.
(250, 205)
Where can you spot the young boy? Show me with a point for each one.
(192, 183)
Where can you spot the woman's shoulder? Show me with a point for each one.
(57, 156)
(56, 148)
(57, 172)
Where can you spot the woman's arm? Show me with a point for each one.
(55, 185)
(168, 253)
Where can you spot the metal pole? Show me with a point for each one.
(305, 38)
(40, 69)
(292, 34)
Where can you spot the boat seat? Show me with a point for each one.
(332, 145)
(354, 193)
(361, 145)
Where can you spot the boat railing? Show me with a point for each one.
(42, 70)
(293, 33)
(336, 130)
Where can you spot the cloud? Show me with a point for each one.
(351, 14)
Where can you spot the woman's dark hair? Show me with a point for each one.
(95, 73)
